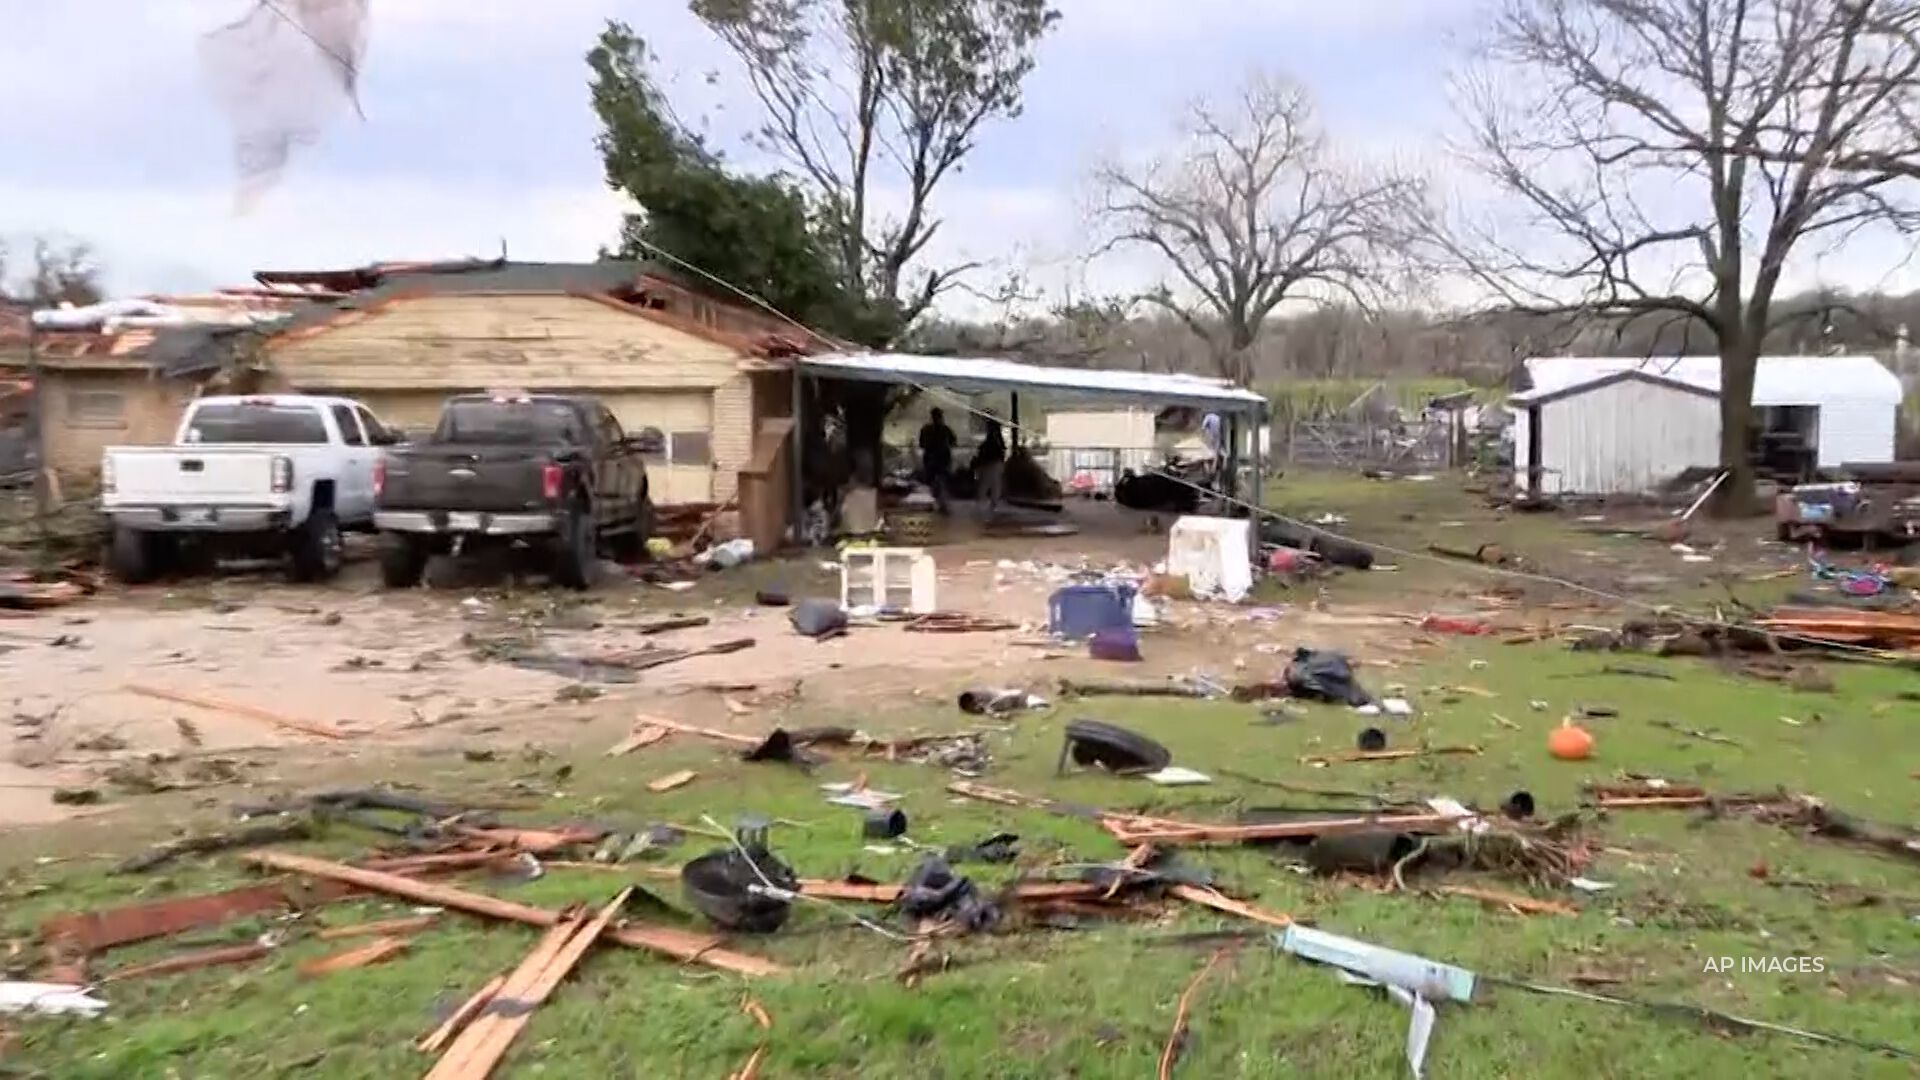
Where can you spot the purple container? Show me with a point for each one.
(1118, 643)
(1081, 611)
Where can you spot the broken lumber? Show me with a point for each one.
(678, 944)
(373, 952)
(670, 623)
(236, 708)
(645, 735)
(1114, 688)
(382, 927)
(208, 843)
(887, 894)
(706, 733)
(1174, 832)
(432, 1042)
(672, 780)
(1388, 755)
(478, 1049)
(191, 961)
(1177, 1041)
(1525, 905)
(1194, 894)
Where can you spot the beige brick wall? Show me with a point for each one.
(732, 434)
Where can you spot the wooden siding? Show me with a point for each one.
(458, 342)
(1629, 436)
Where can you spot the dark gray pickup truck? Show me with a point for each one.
(546, 470)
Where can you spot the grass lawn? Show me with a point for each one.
(1099, 1001)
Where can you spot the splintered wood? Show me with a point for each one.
(236, 708)
(373, 952)
(439, 1037)
(478, 1049)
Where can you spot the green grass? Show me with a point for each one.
(1099, 1001)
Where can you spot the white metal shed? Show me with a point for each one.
(1621, 432)
(1853, 398)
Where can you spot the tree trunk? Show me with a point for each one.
(1738, 361)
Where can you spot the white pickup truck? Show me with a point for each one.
(259, 475)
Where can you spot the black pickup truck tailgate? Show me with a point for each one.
(465, 477)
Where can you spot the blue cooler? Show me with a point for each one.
(1081, 611)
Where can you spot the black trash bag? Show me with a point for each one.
(936, 892)
(1112, 747)
(1325, 675)
(998, 848)
(780, 746)
(721, 885)
(1372, 851)
(818, 618)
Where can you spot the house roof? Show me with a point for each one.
(989, 374)
(1778, 380)
(170, 351)
(610, 282)
(1541, 396)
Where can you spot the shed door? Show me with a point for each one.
(683, 472)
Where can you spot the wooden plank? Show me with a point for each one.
(191, 961)
(672, 780)
(1193, 894)
(681, 945)
(1389, 755)
(1289, 830)
(237, 708)
(373, 952)
(706, 733)
(645, 735)
(462, 1016)
(518, 982)
(382, 927)
(1526, 905)
(479, 1049)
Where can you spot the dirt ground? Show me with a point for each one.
(423, 668)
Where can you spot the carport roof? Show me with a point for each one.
(986, 374)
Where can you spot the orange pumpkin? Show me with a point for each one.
(1570, 742)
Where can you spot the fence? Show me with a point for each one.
(1357, 444)
(1101, 466)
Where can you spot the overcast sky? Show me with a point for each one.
(478, 128)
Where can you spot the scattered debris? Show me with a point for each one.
(678, 944)
(252, 712)
(1109, 688)
(373, 952)
(478, 1049)
(743, 888)
(955, 622)
(671, 780)
(1695, 733)
(1322, 761)
(1322, 675)
(404, 925)
(1570, 742)
(1094, 743)
(193, 960)
(643, 735)
(432, 1042)
(208, 843)
(934, 891)
(1524, 905)
(1177, 776)
(999, 702)
(1177, 1041)
(1413, 980)
(49, 999)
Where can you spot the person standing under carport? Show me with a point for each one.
(990, 468)
(936, 456)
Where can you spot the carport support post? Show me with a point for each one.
(798, 435)
(1015, 417)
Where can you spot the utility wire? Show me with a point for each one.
(963, 403)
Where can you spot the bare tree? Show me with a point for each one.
(1254, 209)
(62, 272)
(1665, 159)
(866, 96)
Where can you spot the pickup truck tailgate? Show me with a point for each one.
(188, 474)
(500, 478)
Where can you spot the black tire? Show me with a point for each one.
(631, 547)
(317, 548)
(137, 557)
(576, 557)
(403, 560)
(1111, 747)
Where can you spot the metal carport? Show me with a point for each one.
(962, 375)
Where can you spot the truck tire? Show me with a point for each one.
(576, 555)
(631, 547)
(138, 557)
(316, 546)
(403, 560)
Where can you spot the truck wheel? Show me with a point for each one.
(138, 557)
(575, 555)
(317, 547)
(403, 560)
(631, 547)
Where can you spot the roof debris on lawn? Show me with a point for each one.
(373, 952)
(439, 1037)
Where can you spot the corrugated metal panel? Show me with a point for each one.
(979, 375)
(1856, 432)
(1522, 439)
(1625, 437)
(1778, 380)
